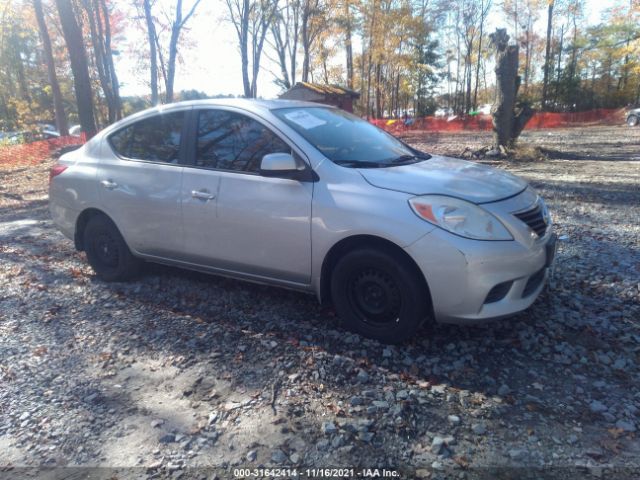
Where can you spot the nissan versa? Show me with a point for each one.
(307, 197)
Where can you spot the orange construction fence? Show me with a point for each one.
(32, 153)
(12, 156)
(482, 122)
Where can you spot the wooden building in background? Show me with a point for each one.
(328, 94)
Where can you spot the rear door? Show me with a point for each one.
(139, 179)
(255, 225)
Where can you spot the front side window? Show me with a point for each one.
(231, 141)
(155, 139)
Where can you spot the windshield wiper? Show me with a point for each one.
(360, 164)
(407, 159)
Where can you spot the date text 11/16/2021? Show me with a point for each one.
(347, 473)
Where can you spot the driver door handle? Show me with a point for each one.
(108, 184)
(202, 195)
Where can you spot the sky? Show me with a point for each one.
(211, 63)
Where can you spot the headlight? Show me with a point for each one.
(545, 213)
(459, 217)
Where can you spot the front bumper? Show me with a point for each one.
(472, 281)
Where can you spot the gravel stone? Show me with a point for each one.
(167, 438)
(437, 444)
(626, 426)
(454, 419)
(504, 390)
(329, 428)
(478, 429)
(278, 457)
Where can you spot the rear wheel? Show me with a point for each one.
(107, 251)
(632, 121)
(378, 295)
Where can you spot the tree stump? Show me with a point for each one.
(509, 118)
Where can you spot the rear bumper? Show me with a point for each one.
(472, 281)
(63, 216)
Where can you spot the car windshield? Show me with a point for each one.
(348, 140)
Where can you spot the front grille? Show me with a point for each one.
(533, 283)
(534, 218)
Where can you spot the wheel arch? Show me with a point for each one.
(355, 242)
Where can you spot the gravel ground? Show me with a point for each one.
(180, 370)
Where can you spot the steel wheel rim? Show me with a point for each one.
(106, 249)
(375, 297)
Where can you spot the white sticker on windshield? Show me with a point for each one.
(305, 119)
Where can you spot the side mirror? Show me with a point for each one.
(283, 165)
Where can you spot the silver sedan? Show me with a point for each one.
(307, 197)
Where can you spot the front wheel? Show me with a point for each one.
(632, 121)
(107, 252)
(379, 295)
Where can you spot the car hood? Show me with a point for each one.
(447, 176)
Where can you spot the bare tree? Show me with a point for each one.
(58, 105)
(311, 25)
(153, 55)
(470, 19)
(485, 7)
(346, 23)
(176, 29)
(547, 57)
(100, 30)
(78, 59)
(285, 30)
(251, 20)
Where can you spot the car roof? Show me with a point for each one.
(251, 104)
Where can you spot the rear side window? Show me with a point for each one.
(231, 141)
(155, 139)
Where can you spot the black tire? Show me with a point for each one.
(107, 251)
(379, 295)
(632, 120)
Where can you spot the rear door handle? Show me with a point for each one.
(202, 195)
(108, 184)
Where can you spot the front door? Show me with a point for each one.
(253, 225)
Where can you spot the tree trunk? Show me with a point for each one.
(281, 46)
(305, 51)
(547, 58)
(22, 78)
(508, 121)
(379, 113)
(348, 45)
(482, 18)
(176, 28)
(173, 52)
(559, 71)
(244, 48)
(153, 56)
(58, 105)
(98, 52)
(78, 59)
(115, 84)
(527, 57)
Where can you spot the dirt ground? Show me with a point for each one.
(178, 371)
(608, 143)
